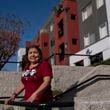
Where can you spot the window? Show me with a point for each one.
(95, 59)
(89, 39)
(80, 63)
(86, 12)
(92, 38)
(52, 43)
(86, 40)
(103, 30)
(45, 44)
(51, 28)
(73, 17)
(74, 41)
(99, 3)
(62, 52)
(60, 28)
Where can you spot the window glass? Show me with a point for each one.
(89, 39)
(51, 28)
(103, 30)
(86, 40)
(99, 3)
(87, 11)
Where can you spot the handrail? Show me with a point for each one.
(49, 104)
(96, 77)
(15, 103)
(9, 97)
(57, 103)
(67, 54)
(88, 74)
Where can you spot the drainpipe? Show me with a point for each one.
(66, 33)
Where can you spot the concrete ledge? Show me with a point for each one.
(88, 103)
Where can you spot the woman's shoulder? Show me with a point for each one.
(44, 63)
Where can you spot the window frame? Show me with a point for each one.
(103, 30)
(99, 3)
(87, 12)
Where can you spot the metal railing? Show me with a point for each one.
(54, 54)
(85, 83)
(67, 54)
(42, 106)
(56, 103)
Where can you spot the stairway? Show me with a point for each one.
(93, 94)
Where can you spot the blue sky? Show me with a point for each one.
(35, 11)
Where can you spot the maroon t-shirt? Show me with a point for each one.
(33, 78)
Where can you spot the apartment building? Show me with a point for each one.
(66, 31)
(94, 26)
(60, 34)
(44, 39)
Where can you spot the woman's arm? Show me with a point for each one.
(41, 89)
(17, 91)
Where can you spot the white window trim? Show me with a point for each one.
(86, 12)
(86, 40)
(51, 28)
(99, 3)
(103, 31)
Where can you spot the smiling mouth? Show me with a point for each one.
(34, 58)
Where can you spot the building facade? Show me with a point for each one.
(76, 33)
(59, 36)
(94, 23)
(42, 41)
(66, 31)
(49, 26)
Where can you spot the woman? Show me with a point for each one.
(36, 79)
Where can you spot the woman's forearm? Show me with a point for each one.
(43, 87)
(40, 91)
(19, 89)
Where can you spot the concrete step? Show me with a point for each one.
(92, 103)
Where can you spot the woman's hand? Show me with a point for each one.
(11, 99)
(32, 98)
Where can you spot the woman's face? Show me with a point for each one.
(33, 55)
